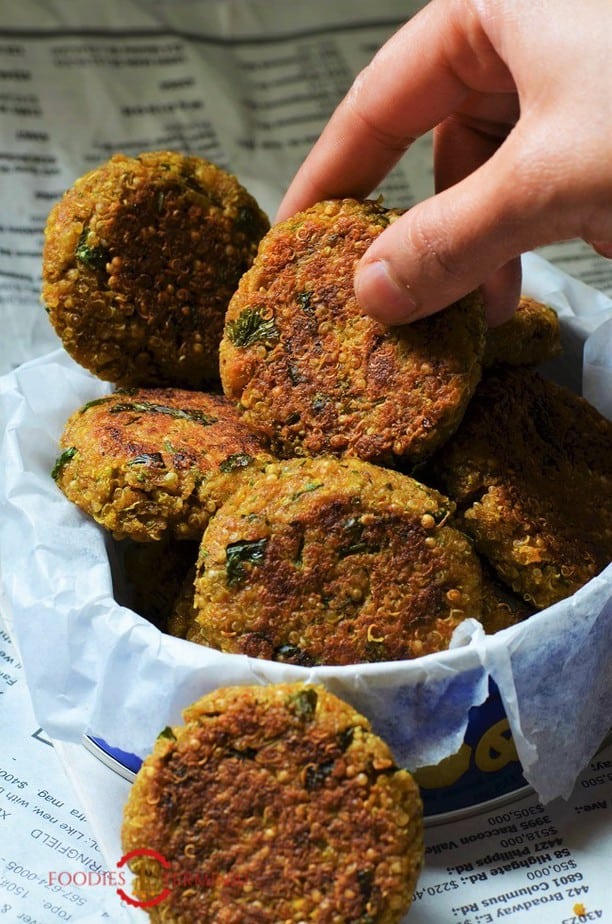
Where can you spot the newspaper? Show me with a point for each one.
(248, 85)
(50, 858)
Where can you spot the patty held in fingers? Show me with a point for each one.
(316, 375)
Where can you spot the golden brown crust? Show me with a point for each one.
(316, 374)
(141, 257)
(500, 607)
(531, 470)
(275, 804)
(531, 336)
(333, 561)
(154, 461)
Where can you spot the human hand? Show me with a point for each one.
(519, 94)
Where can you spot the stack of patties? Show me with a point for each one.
(305, 566)
(317, 543)
(141, 258)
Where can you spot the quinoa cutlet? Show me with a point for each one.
(316, 374)
(140, 259)
(153, 462)
(274, 803)
(531, 471)
(333, 561)
(531, 336)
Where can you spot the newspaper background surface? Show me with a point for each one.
(248, 85)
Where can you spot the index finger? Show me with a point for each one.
(420, 76)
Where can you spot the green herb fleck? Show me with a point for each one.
(345, 737)
(154, 459)
(61, 460)
(95, 258)
(357, 544)
(191, 183)
(95, 403)
(167, 733)
(311, 486)
(249, 327)
(236, 460)
(304, 703)
(316, 775)
(304, 301)
(177, 412)
(237, 554)
(291, 654)
(245, 218)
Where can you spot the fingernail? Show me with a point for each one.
(381, 295)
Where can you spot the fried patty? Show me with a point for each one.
(317, 375)
(141, 257)
(333, 561)
(531, 471)
(273, 804)
(531, 336)
(153, 462)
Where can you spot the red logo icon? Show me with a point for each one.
(157, 899)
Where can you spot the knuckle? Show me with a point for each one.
(438, 252)
(367, 110)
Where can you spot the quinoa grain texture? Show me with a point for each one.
(333, 561)
(531, 471)
(148, 463)
(274, 804)
(141, 257)
(316, 375)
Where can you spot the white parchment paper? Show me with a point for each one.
(97, 668)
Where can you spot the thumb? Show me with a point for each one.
(450, 244)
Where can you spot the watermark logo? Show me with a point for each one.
(172, 879)
(162, 895)
(169, 878)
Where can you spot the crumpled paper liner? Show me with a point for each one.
(94, 667)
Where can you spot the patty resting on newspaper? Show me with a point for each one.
(274, 803)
